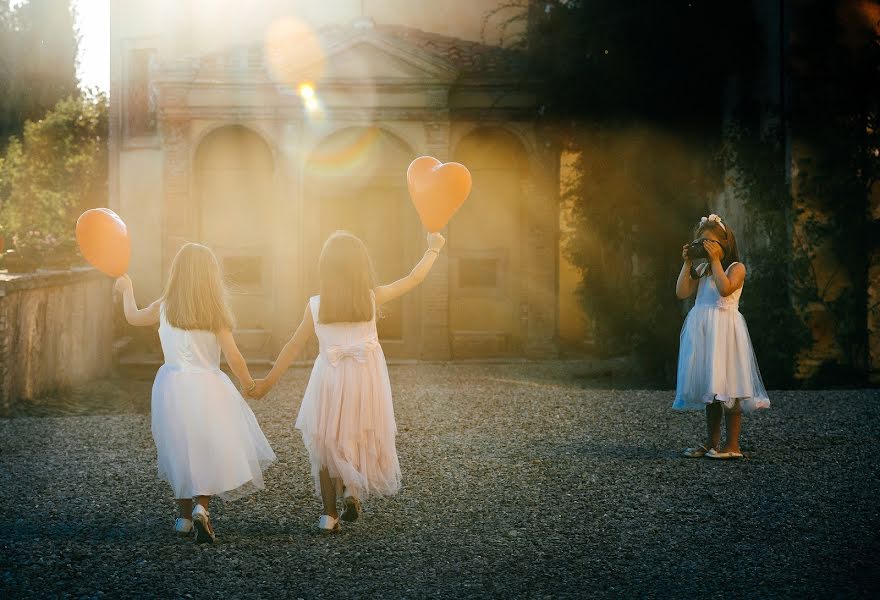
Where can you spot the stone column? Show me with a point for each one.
(540, 244)
(435, 290)
(290, 257)
(179, 218)
(114, 145)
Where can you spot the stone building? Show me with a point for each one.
(260, 130)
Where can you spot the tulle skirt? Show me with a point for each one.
(208, 441)
(347, 425)
(716, 362)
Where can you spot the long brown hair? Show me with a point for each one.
(195, 297)
(347, 280)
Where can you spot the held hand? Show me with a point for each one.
(436, 241)
(123, 284)
(684, 253)
(260, 389)
(713, 249)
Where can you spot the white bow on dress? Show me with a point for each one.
(356, 351)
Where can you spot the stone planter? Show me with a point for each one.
(19, 263)
(58, 263)
(56, 330)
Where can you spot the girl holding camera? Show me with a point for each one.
(717, 371)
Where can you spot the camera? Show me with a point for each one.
(695, 250)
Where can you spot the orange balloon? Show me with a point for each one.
(437, 190)
(103, 241)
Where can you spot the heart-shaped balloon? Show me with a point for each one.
(103, 241)
(437, 190)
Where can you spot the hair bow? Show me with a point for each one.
(714, 218)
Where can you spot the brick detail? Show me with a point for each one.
(178, 213)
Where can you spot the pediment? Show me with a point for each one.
(346, 56)
(374, 57)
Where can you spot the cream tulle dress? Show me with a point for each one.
(716, 362)
(207, 438)
(347, 416)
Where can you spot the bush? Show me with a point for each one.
(55, 171)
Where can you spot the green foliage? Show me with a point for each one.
(615, 72)
(636, 88)
(835, 116)
(57, 170)
(758, 158)
(635, 200)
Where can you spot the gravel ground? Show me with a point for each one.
(520, 480)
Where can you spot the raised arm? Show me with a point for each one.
(387, 293)
(235, 359)
(727, 281)
(138, 317)
(288, 354)
(685, 286)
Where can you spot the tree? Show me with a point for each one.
(56, 170)
(621, 79)
(637, 90)
(835, 129)
(38, 63)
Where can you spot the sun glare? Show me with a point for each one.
(306, 91)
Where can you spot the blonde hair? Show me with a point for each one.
(347, 280)
(195, 296)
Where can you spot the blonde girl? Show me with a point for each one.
(207, 438)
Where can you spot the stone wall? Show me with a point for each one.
(56, 330)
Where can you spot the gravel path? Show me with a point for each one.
(519, 481)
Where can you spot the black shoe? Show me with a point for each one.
(352, 509)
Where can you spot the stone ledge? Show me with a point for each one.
(42, 278)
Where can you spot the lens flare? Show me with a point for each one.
(344, 151)
(293, 53)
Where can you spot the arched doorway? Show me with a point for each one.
(234, 194)
(356, 180)
(486, 287)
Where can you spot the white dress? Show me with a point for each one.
(716, 362)
(347, 416)
(207, 438)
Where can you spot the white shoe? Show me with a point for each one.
(183, 526)
(202, 524)
(328, 523)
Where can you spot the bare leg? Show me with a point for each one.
(204, 501)
(185, 508)
(732, 425)
(328, 494)
(714, 412)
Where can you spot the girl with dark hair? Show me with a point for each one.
(717, 370)
(347, 416)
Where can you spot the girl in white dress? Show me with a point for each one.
(346, 417)
(207, 438)
(717, 370)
